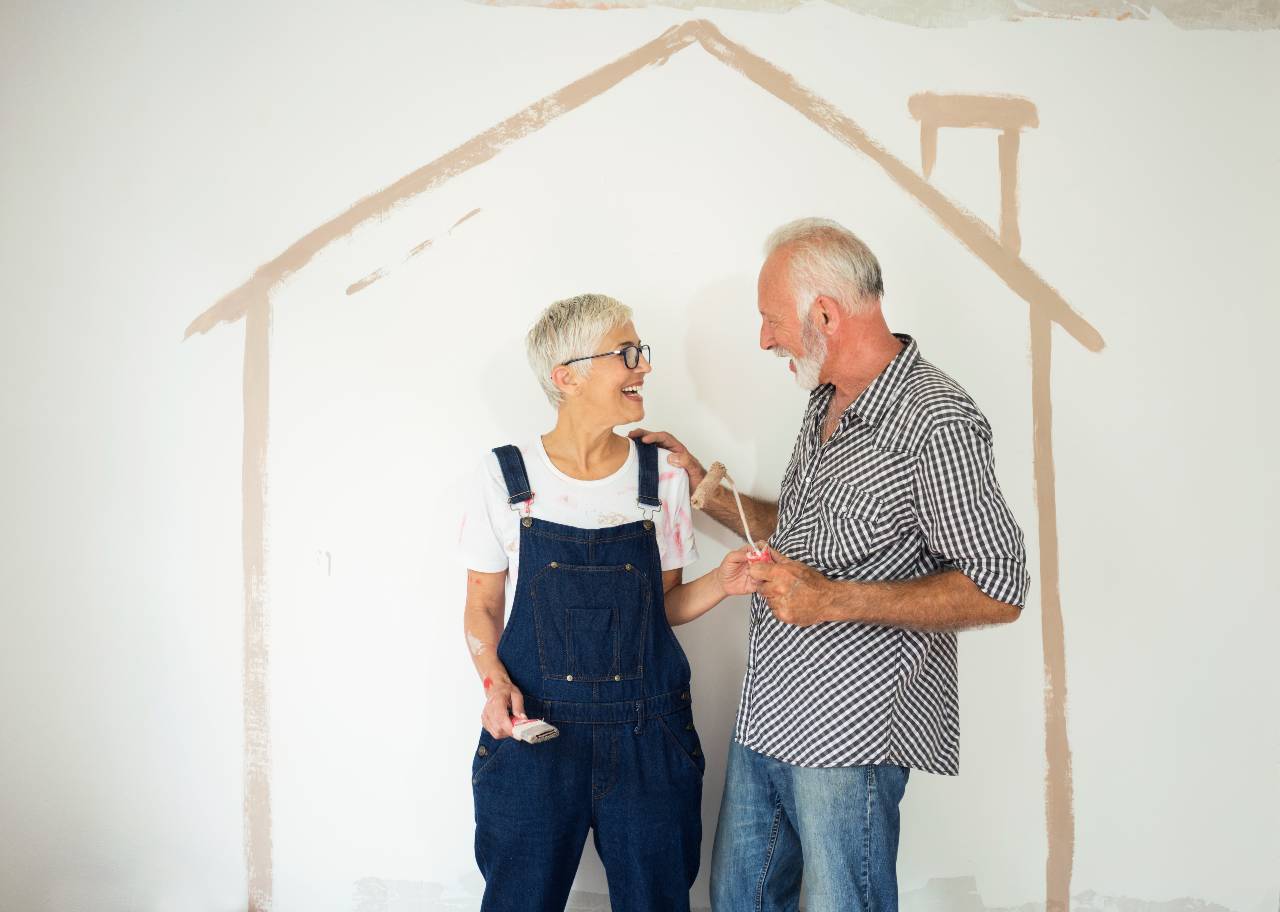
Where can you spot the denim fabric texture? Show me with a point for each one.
(589, 646)
(835, 827)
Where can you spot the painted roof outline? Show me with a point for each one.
(966, 227)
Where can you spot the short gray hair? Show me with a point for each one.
(571, 328)
(827, 259)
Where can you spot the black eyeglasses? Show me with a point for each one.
(630, 356)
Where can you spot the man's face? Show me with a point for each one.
(781, 329)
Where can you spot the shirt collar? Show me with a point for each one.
(884, 390)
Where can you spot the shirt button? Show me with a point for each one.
(554, 565)
(483, 751)
(617, 677)
(526, 522)
(568, 677)
(628, 566)
(648, 524)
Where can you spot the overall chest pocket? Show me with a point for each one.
(851, 525)
(591, 622)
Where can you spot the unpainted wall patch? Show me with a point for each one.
(1196, 14)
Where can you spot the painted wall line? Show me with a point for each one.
(256, 697)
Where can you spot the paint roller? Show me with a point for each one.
(716, 474)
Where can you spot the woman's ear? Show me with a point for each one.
(566, 380)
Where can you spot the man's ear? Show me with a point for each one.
(826, 311)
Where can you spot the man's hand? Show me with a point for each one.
(679, 457)
(796, 594)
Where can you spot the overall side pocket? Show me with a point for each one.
(683, 736)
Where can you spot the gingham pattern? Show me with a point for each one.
(905, 487)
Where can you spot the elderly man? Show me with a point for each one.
(889, 535)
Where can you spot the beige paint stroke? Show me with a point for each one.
(476, 151)
(1059, 788)
(361, 284)
(257, 704)
(1006, 113)
(1010, 234)
(251, 300)
(1010, 116)
(472, 214)
(998, 112)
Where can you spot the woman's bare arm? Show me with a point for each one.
(482, 623)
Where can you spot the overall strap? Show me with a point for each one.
(513, 473)
(648, 453)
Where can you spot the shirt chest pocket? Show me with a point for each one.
(851, 525)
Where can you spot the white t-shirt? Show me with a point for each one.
(490, 537)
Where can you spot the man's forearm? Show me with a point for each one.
(762, 515)
(944, 601)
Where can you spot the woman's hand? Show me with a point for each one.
(504, 701)
(733, 573)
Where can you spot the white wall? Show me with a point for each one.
(154, 156)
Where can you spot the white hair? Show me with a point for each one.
(571, 328)
(827, 259)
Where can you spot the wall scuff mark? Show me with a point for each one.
(1195, 14)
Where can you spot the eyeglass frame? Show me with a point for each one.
(640, 350)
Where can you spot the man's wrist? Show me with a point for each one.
(840, 599)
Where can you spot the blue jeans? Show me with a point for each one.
(836, 826)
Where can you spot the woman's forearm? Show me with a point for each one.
(482, 642)
(694, 599)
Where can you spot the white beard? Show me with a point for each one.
(809, 365)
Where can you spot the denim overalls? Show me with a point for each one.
(589, 647)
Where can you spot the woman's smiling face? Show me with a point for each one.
(613, 393)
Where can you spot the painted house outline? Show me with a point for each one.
(251, 301)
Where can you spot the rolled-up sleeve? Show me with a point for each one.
(966, 523)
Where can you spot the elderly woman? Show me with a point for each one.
(580, 536)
